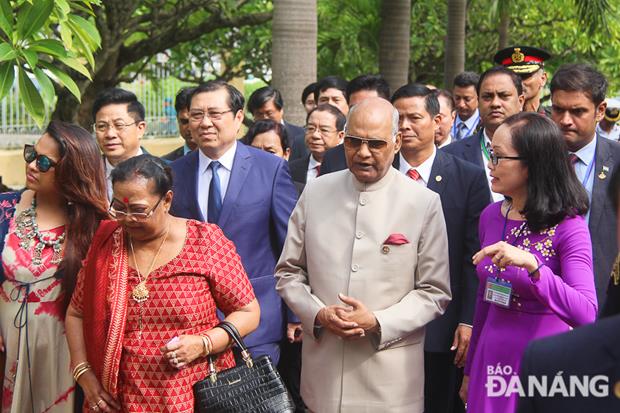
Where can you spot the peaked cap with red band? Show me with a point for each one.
(523, 60)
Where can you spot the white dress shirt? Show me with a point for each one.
(424, 169)
(312, 173)
(108, 172)
(205, 174)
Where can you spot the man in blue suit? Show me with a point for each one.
(247, 192)
(464, 193)
(577, 105)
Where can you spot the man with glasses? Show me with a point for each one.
(247, 192)
(529, 63)
(362, 267)
(358, 89)
(463, 190)
(119, 126)
(181, 105)
(324, 130)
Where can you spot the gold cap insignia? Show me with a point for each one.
(617, 389)
(517, 56)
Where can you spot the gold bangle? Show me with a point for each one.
(79, 366)
(208, 344)
(79, 374)
(81, 369)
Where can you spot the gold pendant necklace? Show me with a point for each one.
(140, 292)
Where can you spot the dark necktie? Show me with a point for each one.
(461, 131)
(573, 159)
(318, 170)
(214, 206)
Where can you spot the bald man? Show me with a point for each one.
(364, 305)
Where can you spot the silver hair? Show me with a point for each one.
(395, 119)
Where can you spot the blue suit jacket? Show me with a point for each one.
(257, 205)
(464, 193)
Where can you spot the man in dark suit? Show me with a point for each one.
(181, 105)
(500, 95)
(358, 89)
(577, 104)
(324, 130)
(247, 192)
(267, 103)
(465, 94)
(589, 353)
(464, 194)
(119, 126)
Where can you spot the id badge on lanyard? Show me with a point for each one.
(498, 292)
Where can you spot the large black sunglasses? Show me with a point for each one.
(44, 163)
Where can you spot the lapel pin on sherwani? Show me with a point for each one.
(385, 249)
(438, 178)
(617, 389)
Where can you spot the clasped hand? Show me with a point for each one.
(349, 321)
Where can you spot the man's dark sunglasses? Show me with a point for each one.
(44, 163)
(355, 142)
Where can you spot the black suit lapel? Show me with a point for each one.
(440, 173)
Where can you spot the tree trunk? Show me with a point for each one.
(504, 25)
(293, 54)
(455, 41)
(394, 42)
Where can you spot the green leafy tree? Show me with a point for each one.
(39, 39)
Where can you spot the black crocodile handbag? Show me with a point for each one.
(255, 386)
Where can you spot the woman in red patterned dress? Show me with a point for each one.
(142, 317)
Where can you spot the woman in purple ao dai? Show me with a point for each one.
(535, 265)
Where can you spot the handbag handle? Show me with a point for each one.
(232, 331)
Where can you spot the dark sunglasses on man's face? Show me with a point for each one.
(355, 142)
(44, 163)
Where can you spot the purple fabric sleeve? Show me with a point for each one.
(572, 295)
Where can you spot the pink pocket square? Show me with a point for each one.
(396, 239)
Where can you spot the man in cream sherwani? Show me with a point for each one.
(365, 268)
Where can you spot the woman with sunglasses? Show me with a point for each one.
(535, 265)
(45, 232)
(141, 321)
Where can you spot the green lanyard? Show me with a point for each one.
(485, 151)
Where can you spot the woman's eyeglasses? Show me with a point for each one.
(136, 216)
(495, 159)
(44, 163)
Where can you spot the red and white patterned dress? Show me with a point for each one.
(184, 294)
(43, 318)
